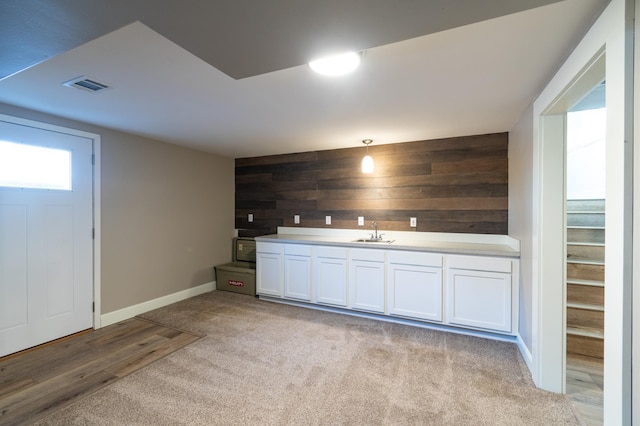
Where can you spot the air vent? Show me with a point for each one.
(87, 84)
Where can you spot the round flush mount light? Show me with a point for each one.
(336, 64)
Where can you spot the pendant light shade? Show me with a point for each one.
(367, 161)
(367, 164)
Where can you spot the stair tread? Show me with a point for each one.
(586, 306)
(586, 211)
(585, 261)
(585, 227)
(592, 283)
(586, 332)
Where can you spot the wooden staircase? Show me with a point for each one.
(585, 278)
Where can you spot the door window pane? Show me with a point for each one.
(36, 167)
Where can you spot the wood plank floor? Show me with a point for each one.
(38, 381)
(585, 387)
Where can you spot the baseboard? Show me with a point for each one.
(397, 320)
(526, 354)
(141, 308)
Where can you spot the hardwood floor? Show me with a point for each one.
(38, 381)
(585, 387)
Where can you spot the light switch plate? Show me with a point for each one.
(360, 220)
(327, 220)
(250, 217)
(413, 222)
(296, 219)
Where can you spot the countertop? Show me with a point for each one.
(424, 244)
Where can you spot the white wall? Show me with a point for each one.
(520, 213)
(636, 231)
(586, 145)
(167, 214)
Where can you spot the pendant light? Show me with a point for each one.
(367, 161)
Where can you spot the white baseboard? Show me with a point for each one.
(397, 320)
(141, 308)
(526, 354)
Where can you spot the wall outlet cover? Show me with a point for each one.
(296, 219)
(360, 220)
(413, 222)
(250, 217)
(327, 220)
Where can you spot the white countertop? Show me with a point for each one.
(471, 244)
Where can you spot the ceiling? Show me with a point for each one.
(230, 76)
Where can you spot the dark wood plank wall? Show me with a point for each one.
(450, 185)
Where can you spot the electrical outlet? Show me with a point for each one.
(360, 220)
(327, 220)
(250, 217)
(413, 222)
(296, 219)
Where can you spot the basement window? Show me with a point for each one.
(34, 167)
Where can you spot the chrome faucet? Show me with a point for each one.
(375, 236)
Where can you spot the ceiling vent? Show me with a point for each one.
(87, 84)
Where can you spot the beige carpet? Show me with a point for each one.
(264, 363)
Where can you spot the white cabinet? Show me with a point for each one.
(297, 272)
(459, 290)
(479, 292)
(367, 280)
(330, 275)
(414, 285)
(269, 269)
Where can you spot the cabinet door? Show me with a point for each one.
(331, 280)
(479, 299)
(297, 277)
(415, 291)
(269, 274)
(366, 283)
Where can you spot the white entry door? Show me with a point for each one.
(46, 242)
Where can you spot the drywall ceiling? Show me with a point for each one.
(229, 77)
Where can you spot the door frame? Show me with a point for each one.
(96, 208)
(635, 338)
(610, 33)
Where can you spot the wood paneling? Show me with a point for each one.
(449, 185)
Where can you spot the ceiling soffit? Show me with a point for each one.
(241, 38)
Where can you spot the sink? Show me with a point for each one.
(372, 240)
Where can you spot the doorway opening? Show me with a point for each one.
(585, 176)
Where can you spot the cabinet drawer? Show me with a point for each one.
(415, 258)
(369, 255)
(268, 247)
(331, 252)
(297, 250)
(480, 263)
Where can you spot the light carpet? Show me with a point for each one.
(264, 363)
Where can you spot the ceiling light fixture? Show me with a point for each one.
(337, 64)
(367, 161)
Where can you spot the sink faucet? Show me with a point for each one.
(375, 236)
